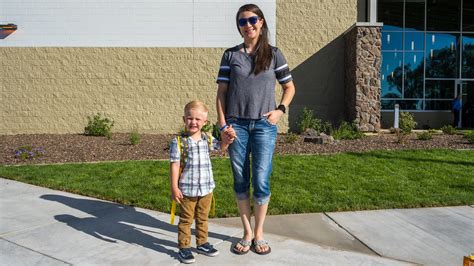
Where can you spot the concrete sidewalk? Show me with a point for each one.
(39, 226)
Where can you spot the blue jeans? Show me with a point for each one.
(256, 137)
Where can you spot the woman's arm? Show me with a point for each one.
(220, 103)
(288, 94)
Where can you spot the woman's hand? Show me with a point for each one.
(274, 116)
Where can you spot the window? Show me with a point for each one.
(392, 41)
(390, 12)
(442, 55)
(414, 41)
(468, 55)
(415, 15)
(426, 46)
(391, 74)
(439, 89)
(443, 15)
(413, 75)
(468, 16)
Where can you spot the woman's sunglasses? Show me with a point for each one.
(252, 20)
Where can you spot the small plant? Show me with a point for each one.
(425, 136)
(27, 152)
(134, 137)
(469, 135)
(307, 120)
(432, 131)
(448, 129)
(347, 131)
(406, 125)
(99, 126)
(407, 122)
(291, 138)
(401, 136)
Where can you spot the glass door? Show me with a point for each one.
(465, 88)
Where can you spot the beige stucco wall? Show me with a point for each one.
(53, 90)
(310, 33)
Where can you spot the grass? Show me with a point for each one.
(300, 184)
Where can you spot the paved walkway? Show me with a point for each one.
(39, 226)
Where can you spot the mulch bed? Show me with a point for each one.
(65, 148)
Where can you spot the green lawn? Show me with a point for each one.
(349, 181)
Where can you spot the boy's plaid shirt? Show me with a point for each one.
(197, 178)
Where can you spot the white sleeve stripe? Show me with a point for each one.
(285, 78)
(282, 67)
(225, 67)
(223, 78)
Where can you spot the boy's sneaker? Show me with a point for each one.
(186, 256)
(207, 249)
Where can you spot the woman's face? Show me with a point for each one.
(250, 25)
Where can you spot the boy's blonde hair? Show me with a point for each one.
(195, 105)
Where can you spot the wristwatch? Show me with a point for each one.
(282, 108)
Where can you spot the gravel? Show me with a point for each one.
(66, 148)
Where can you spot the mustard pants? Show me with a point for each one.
(194, 208)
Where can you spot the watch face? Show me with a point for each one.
(282, 108)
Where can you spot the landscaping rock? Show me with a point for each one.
(65, 148)
(320, 139)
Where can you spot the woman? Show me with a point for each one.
(246, 102)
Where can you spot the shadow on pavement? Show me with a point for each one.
(113, 221)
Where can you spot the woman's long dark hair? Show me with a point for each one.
(263, 52)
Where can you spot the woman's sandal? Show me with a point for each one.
(261, 242)
(244, 243)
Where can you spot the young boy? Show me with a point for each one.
(192, 180)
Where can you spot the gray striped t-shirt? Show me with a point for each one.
(250, 96)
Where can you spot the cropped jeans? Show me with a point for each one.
(252, 150)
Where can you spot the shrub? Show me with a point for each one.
(448, 129)
(215, 132)
(99, 126)
(347, 131)
(407, 122)
(27, 152)
(207, 128)
(469, 135)
(425, 136)
(134, 137)
(291, 138)
(307, 120)
(406, 125)
(213, 129)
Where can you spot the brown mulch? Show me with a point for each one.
(79, 148)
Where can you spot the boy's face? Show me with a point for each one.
(194, 120)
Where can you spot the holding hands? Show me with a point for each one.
(227, 136)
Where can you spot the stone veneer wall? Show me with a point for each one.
(362, 76)
(53, 90)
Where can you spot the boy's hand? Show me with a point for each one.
(230, 134)
(176, 195)
(227, 137)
